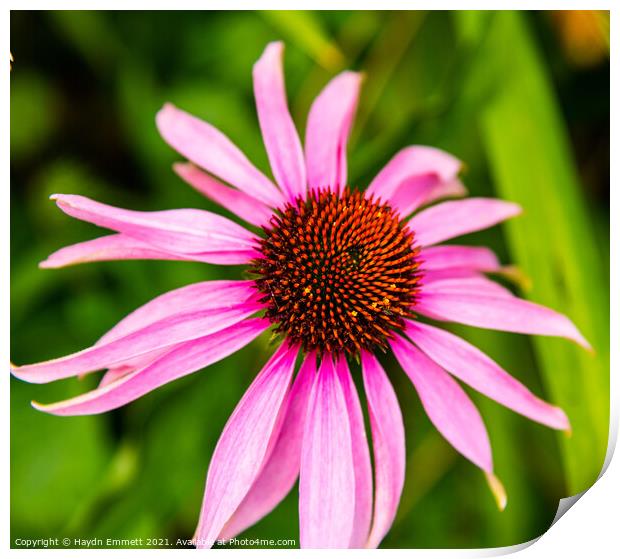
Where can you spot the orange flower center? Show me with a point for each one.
(338, 272)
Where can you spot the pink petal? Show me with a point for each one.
(123, 247)
(452, 219)
(110, 247)
(241, 204)
(205, 295)
(431, 276)
(242, 448)
(208, 148)
(388, 442)
(230, 257)
(279, 133)
(424, 189)
(182, 231)
(498, 490)
(510, 314)
(169, 331)
(473, 367)
(327, 132)
(446, 404)
(327, 473)
(130, 365)
(361, 457)
(176, 363)
(281, 469)
(409, 165)
(454, 256)
(444, 281)
(117, 372)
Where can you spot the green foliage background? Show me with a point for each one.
(496, 89)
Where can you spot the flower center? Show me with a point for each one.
(338, 272)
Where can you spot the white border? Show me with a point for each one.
(589, 528)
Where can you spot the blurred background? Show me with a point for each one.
(521, 98)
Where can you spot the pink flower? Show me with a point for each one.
(337, 274)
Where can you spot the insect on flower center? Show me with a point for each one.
(339, 272)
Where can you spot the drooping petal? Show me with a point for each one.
(243, 445)
(279, 133)
(446, 404)
(361, 457)
(241, 204)
(181, 231)
(201, 296)
(327, 132)
(431, 276)
(388, 442)
(327, 473)
(497, 490)
(176, 363)
(410, 164)
(115, 373)
(461, 281)
(497, 312)
(132, 364)
(123, 247)
(110, 247)
(164, 333)
(208, 148)
(452, 219)
(281, 469)
(454, 256)
(418, 191)
(473, 367)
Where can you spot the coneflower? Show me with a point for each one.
(339, 275)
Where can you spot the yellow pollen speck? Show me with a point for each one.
(392, 286)
(353, 313)
(386, 302)
(374, 305)
(307, 290)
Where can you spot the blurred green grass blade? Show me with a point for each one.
(383, 58)
(34, 105)
(553, 241)
(90, 33)
(304, 30)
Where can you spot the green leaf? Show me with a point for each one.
(553, 242)
(55, 461)
(305, 31)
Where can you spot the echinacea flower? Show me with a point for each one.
(338, 274)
